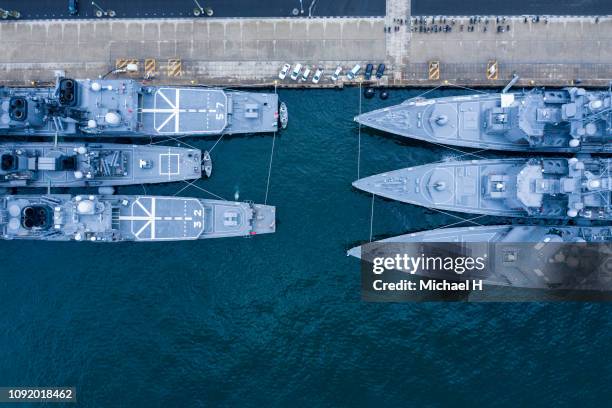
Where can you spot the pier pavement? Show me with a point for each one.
(249, 52)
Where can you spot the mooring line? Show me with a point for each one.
(271, 156)
(204, 190)
(218, 140)
(184, 188)
(463, 153)
(270, 168)
(426, 92)
(372, 217)
(467, 88)
(176, 140)
(359, 137)
(472, 154)
(460, 222)
(457, 217)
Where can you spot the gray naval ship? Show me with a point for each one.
(537, 257)
(503, 233)
(115, 218)
(565, 120)
(556, 188)
(126, 108)
(97, 164)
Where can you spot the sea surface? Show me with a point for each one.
(278, 320)
(511, 8)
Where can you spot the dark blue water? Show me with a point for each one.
(512, 8)
(35, 9)
(277, 320)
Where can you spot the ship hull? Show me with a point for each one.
(534, 122)
(536, 257)
(129, 218)
(553, 188)
(39, 164)
(126, 109)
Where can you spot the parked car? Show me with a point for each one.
(353, 72)
(368, 72)
(73, 7)
(317, 76)
(283, 73)
(296, 72)
(305, 74)
(336, 73)
(380, 71)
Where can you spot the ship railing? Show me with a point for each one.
(4, 217)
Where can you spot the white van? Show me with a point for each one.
(283, 73)
(336, 73)
(353, 72)
(296, 72)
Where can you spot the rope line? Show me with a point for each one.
(458, 217)
(270, 168)
(192, 184)
(372, 217)
(189, 184)
(359, 137)
(458, 222)
(176, 139)
(271, 157)
(218, 140)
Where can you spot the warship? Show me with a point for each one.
(116, 218)
(538, 187)
(565, 120)
(97, 164)
(126, 108)
(503, 233)
(522, 256)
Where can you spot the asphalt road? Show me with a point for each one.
(33, 9)
(511, 7)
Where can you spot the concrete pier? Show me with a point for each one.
(250, 52)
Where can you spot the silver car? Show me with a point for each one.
(336, 73)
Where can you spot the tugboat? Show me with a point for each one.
(283, 115)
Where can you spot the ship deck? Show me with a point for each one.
(162, 219)
(184, 111)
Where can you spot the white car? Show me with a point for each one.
(296, 72)
(351, 75)
(306, 73)
(283, 73)
(317, 76)
(336, 73)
